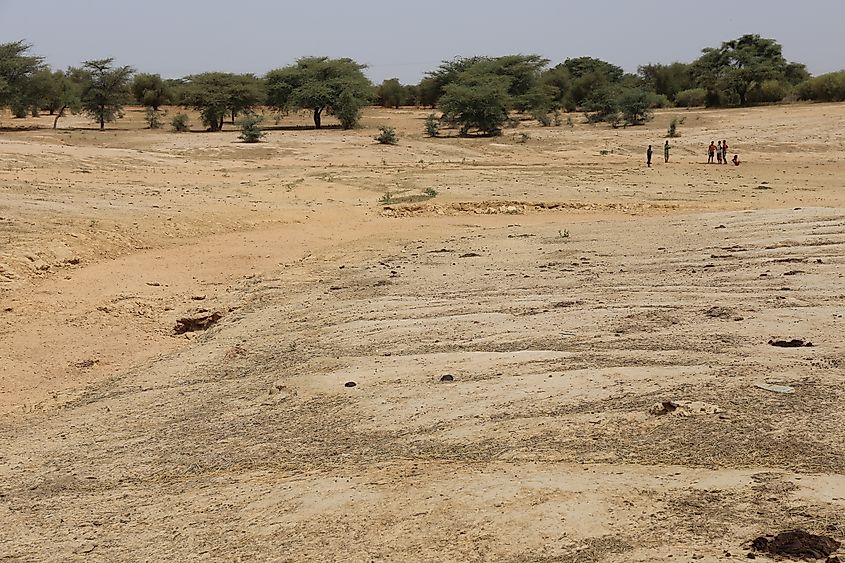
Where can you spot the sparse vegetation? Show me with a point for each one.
(432, 125)
(152, 118)
(180, 123)
(391, 198)
(251, 131)
(672, 132)
(387, 136)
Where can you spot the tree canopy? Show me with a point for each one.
(476, 101)
(104, 89)
(17, 67)
(150, 90)
(732, 72)
(320, 84)
(218, 94)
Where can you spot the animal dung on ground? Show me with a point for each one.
(447, 377)
(350, 384)
(196, 323)
(796, 543)
(794, 343)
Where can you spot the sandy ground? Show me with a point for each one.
(564, 287)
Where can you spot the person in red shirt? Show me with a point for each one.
(711, 152)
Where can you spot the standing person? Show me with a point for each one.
(724, 152)
(666, 148)
(719, 153)
(711, 152)
(648, 154)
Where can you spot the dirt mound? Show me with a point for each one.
(797, 543)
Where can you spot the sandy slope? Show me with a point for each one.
(564, 286)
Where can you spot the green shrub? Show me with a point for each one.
(694, 97)
(824, 88)
(602, 104)
(347, 109)
(673, 127)
(387, 136)
(656, 101)
(19, 111)
(251, 131)
(769, 91)
(635, 106)
(542, 116)
(153, 118)
(477, 101)
(180, 123)
(432, 125)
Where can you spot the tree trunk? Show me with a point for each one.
(317, 118)
(58, 115)
(234, 114)
(102, 122)
(220, 128)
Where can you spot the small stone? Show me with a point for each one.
(447, 377)
(350, 384)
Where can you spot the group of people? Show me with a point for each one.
(719, 151)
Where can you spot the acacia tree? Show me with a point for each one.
(476, 100)
(243, 93)
(218, 94)
(150, 90)
(104, 89)
(58, 92)
(741, 65)
(17, 68)
(667, 79)
(560, 81)
(590, 75)
(390, 93)
(320, 84)
(206, 93)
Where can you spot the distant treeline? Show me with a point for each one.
(476, 93)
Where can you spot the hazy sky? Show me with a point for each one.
(405, 39)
